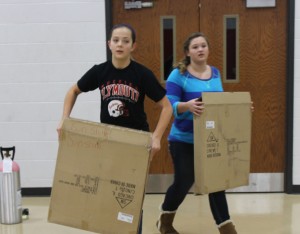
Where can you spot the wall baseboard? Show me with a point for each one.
(159, 183)
(258, 182)
(36, 192)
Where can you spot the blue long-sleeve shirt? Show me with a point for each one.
(182, 88)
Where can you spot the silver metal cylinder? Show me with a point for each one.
(10, 198)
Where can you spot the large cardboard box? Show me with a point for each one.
(222, 142)
(100, 177)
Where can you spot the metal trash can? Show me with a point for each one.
(10, 188)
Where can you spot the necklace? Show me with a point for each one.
(202, 74)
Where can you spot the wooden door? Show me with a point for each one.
(262, 71)
(262, 64)
(147, 23)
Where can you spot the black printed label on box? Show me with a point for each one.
(123, 192)
(212, 146)
(234, 146)
(86, 183)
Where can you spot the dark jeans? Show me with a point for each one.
(140, 228)
(183, 160)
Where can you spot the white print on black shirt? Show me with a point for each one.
(120, 90)
(125, 92)
(116, 108)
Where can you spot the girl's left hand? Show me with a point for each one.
(155, 147)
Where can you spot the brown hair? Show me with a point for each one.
(182, 65)
(133, 35)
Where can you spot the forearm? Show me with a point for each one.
(70, 100)
(182, 107)
(163, 122)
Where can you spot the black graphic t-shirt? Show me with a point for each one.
(123, 92)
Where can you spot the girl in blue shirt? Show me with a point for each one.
(185, 85)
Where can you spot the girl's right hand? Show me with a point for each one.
(59, 128)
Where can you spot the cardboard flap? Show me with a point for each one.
(226, 97)
(107, 132)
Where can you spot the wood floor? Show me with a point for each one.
(254, 213)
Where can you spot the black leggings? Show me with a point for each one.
(183, 160)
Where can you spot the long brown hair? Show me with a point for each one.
(182, 65)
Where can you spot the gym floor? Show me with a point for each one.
(252, 213)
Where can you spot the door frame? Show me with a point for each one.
(289, 187)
